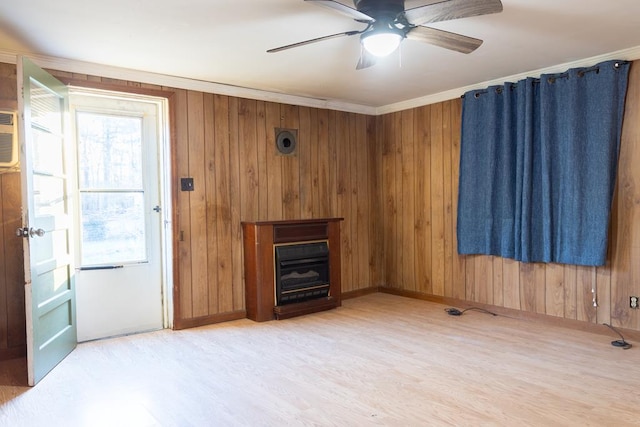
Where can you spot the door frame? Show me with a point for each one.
(165, 155)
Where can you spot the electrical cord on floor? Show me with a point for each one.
(621, 342)
(456, 312)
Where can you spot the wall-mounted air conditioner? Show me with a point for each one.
(8, 141)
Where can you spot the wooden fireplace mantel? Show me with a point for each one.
(259, 239)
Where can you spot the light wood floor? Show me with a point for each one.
(379, 360)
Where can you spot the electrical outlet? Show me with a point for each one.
(633, 302)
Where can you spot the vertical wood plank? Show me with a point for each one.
(603, 287)
(408, 201)
(459, 268)
(470, 274)
(570, 292)
(314, 160)
(388, 188)
(540, 291)
(398, 249)
(332, 146)
(248, 158)
(605, 283)
(437, 201)
(511, 283)
(364, 212)
(261, 146)
(497, 298)
(484, 279)
(14, 260)
(528, 287)
(198, 206)
(354, 197)
(376, 204)
(291, 167)
(554, 294)
(4, 282)
(236, 208)
(586, 282)
(422, 188)
(420, 184)
(274, 163)
(211, 213)
(183, 294)
(307, 141)
(322, 202)
(223, 204)
(343, 183)
(447, 198)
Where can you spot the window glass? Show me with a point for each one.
(110, 179)
(109, 151)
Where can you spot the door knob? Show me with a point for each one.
(33, 232)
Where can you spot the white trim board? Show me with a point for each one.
(81, 67)
(626, 54)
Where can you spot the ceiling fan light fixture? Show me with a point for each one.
(381, 42)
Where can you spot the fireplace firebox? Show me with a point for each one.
(302, 272)
(292, 267)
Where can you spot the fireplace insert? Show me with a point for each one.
(302, 272)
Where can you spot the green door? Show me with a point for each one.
(49, 271)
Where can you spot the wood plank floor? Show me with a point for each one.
(379, 360)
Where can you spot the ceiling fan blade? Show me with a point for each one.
(366, 59)
(319, 39)
(445, 39)
(345, 10)
(451, 9)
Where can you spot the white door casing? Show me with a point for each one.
(121, 290)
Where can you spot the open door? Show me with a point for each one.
(46, 216)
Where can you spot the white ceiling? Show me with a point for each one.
(225, 42)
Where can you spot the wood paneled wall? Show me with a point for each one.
(227, 145)
(12, 315)
(420, 151)
(394, 180)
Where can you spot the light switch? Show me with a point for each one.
(186, 184)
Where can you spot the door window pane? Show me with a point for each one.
(110, 178)
(46, 108)
(48, 196)
(48, 153)
(113, 228)
(109, 151)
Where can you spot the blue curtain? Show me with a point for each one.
(538, 164)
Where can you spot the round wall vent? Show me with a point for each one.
(286, 141)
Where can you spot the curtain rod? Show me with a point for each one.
(551, 79)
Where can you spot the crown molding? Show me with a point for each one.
(630, 54)
(81, 67)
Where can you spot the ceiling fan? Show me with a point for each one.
(388, 23)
